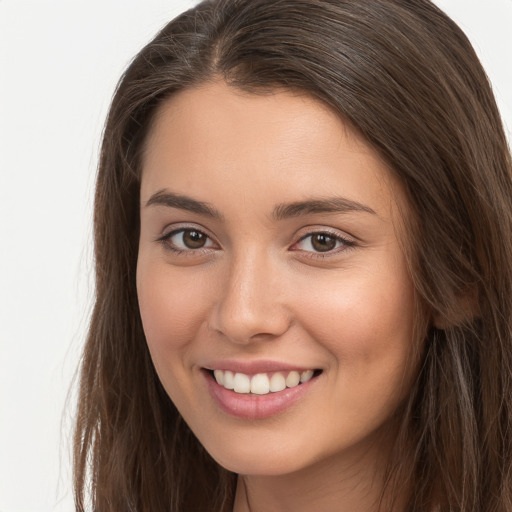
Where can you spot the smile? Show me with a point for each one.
(261, 383)
(259, 395)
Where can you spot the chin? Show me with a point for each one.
(264, 459)
(272, 466)
(256, 459)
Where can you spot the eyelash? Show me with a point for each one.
(345, 243)
(165, 240)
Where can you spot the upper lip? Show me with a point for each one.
(254, 367)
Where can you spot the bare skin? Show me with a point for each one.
(268, 235)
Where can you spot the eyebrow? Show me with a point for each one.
(321, 205)
(171, 200)
(281, 211)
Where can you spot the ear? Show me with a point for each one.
(463, 311)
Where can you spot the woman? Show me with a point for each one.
(304, 289)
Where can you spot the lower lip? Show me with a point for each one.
(252, 407)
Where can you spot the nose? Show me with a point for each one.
(250, 304)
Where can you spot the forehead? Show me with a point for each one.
(218, 141)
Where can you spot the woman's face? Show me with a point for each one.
(268, 249)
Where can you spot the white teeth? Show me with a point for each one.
(229, 379)
(242, 383)
(261, 384)
(292, 380)
(305, 376)
(277, 382)
(219, 376)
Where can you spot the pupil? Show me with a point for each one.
(323, 243)
(194, 239)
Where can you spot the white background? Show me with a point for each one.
(59, 63)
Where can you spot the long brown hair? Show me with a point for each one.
(406, 77)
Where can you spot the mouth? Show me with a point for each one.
(262, 383)
(256, 396)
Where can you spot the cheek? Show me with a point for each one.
(172, 306)
(365, 321)
(367, 327)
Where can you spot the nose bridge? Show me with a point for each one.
(250, 302)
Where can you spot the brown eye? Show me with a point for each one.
(193, 239)
(187, 239)
(322, 242)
